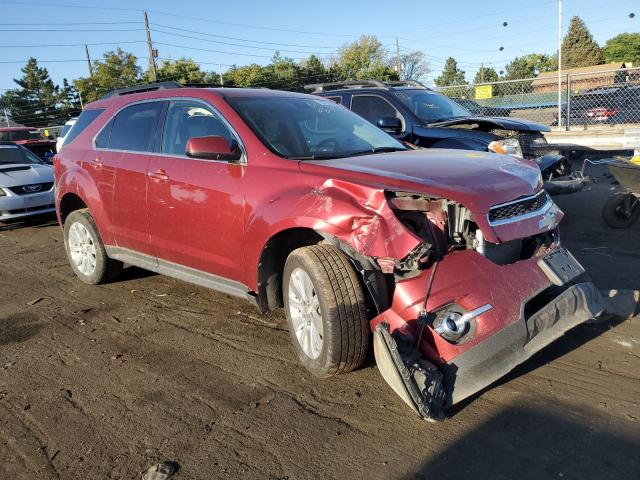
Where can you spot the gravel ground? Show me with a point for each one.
(100, 382)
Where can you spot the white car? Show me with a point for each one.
(26, 183)
(63, 133)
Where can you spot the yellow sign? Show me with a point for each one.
(484, 92)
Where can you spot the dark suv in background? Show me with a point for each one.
(418, 115)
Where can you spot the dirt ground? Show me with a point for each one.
(100, 382)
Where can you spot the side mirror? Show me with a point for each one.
(212, 147)
(390, 124)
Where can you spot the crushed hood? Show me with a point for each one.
(477, 180)
(506, 123)
(14, 175)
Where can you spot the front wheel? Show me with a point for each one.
(621, 211)
(326, 310)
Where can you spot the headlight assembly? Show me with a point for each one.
(507, 146)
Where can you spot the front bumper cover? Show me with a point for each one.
(490, 360)
(486, 362)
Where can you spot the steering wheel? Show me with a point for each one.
(327, 145)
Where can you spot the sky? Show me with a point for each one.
(240, 32)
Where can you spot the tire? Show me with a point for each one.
(342, 321)
(82, 241)
(615, 212)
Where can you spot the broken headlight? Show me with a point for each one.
(507, 146)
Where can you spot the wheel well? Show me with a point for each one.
(272, 260)
(70, 203)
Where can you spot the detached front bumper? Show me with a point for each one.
(526, 313)
(490, 360)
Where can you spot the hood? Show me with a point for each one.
(14, 175)
(477, 180)
(506, 123)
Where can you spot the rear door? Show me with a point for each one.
(196, 207)
(123, 147)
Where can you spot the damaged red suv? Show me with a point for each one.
(449, 261)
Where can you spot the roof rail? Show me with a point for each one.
(406, 83)
(145, 87)
(323, 87)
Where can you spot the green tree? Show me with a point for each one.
(363, 59)
(486, 75)
(528, 66)
(117, 69)
(451, 74)
(312, 70)
(623, 48)
(183, 70)
(579, 49)
(253, 75)
(38, 100)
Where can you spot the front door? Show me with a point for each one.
(196, 207)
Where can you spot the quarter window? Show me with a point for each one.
(185, 120)
(373, 108)
(84, 120)
(133, 128)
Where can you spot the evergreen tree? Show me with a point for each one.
(37, 100)
(486, 75)
(579, 49)
(451, 74)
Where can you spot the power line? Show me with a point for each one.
(262, 42)
(188, 47)
(235, 44)
(72, 44)
(71, 30)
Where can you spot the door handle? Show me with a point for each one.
(159, 175)
(97, 162)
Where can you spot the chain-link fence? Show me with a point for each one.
(607, 98)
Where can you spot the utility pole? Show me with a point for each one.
(80, 98)
(86, 51)
(6, 117)
(398, 64)
(152, 57)
(220, 73)
(482, 73)
(560, 63)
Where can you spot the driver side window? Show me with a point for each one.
(373, 108)
(187, 119)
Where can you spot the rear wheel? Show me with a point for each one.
(326, 310)
(85, 250)
(621, 211)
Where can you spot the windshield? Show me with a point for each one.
(430, 106)
(13, 154)
(18, 135)
(310, 128)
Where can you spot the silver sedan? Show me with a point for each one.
(26, 183)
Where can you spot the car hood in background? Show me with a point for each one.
(477, 180)
(14, 175)
(495, 122)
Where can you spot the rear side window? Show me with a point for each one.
(84, 120)
(338, 100)
(134, 127)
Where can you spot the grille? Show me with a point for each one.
(30, 209)
(518, 208)
(31, 189)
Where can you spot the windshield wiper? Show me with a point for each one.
(320, 156)
(446, 119)
(371, 151)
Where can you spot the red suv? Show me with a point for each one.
(450, 258)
